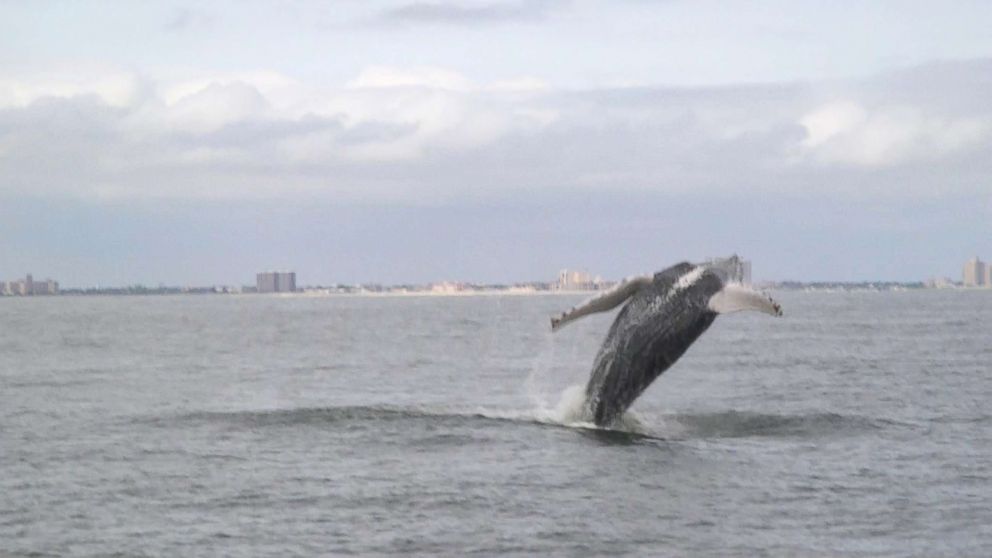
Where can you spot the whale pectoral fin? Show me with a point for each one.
(735, 298)
(607, 300)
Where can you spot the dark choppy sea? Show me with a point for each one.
(859, 424)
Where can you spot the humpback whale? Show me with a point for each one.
(663, 315)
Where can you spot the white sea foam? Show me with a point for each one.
(571, 406)
(569, 411)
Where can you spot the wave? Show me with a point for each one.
(309, 415)
(567, 414)
(743, 424)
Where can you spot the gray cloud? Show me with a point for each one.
(461, 14)
(253, 133)
(186, 18)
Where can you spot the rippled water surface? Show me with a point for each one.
(858, 424)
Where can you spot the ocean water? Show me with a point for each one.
(858, 424)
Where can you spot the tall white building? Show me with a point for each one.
(575, 281)
(975, 273)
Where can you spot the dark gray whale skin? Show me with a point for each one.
(650, 333)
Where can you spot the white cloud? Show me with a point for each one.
(848, 133)
(206, 110)
(401, 133)
(433, 78)
(521, 85)
(117, 89)
(258, 124)
(281, 91)
(830, 120)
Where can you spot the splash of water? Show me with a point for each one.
(570, 410)
(571, 407)
(539, 365)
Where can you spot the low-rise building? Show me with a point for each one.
(29, 287)
(447, 287)
(939, 283)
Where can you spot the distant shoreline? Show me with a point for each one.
(387, 292)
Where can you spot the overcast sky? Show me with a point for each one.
(494, 141)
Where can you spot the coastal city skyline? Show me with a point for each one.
(975, 274)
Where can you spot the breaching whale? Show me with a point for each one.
(664, 314)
